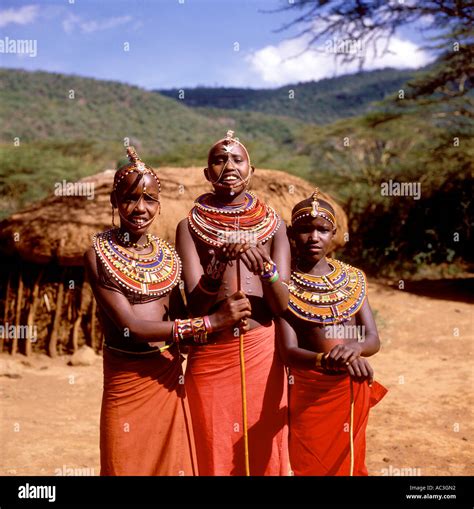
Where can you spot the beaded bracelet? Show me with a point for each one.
(196, 328)
(269, 270)
(273, 279)
(199, 330)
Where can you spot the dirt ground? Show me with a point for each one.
(50, 411)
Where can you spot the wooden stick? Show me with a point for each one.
(53, 341)
(19, 298)
(77, 322)
(5, 311)
(93, 325)
(32, 312)
(242, 384)
(351, 430)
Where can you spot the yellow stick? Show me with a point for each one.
(244, 405)
(351, 430)
(243, 387)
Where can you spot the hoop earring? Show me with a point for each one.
(113, 216)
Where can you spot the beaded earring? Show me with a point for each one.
(113, 216)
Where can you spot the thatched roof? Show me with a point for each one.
(60, 228)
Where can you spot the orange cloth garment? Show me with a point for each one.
(319, 417)
(145, 427)
(213, 389)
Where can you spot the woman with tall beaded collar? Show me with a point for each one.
(145, 428)
(227, 227)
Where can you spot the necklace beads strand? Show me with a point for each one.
(127, 243)
(329, 299)
(254, 217)
(156, 273)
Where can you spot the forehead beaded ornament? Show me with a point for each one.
(229, 143)
(313, 209)
(136, 166)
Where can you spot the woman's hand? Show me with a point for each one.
(361, 370)
(254, 259)
(234, 309)
(342, 355)
(253, 256)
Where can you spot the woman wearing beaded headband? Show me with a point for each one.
(325, 337)
(226, 229)
(134, 275)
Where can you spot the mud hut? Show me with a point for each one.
(47, 305)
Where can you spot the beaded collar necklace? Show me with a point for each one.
(214, 224)
(155, 273)
(329, 299)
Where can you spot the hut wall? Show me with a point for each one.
(34, 309)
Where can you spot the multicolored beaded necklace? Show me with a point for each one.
(253, 217)
(155, 273)
(329, 299)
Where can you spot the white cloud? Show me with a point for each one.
(90, 26)
(287, 62)
(22, 16)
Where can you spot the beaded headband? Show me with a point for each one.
(230, 141)
(315, 210)
(136, 165)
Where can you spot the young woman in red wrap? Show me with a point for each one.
(325, 338)
(228, 227)
(145, 428)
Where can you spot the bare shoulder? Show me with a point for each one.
(280, 239)
(182, 230)
(90, 262)
(281, 232)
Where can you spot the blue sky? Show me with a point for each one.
(175, 43)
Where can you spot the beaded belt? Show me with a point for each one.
(129, 353)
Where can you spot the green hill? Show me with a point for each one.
(37, 105)
(318, 102)
(60, 137)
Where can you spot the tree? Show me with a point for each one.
(372, 23)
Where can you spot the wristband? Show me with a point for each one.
(270, 274)
(199, 330)
(272, 280)
(196, 328)
(207, 324)
(318, 360)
